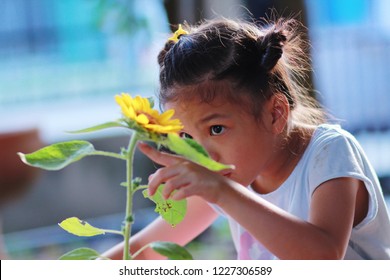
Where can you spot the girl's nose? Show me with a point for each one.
(212, 152)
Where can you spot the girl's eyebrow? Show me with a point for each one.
(213, 116)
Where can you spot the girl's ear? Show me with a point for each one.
(279, 111)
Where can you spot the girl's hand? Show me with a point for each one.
(184, 178)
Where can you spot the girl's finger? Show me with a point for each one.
(157, 156)
(179, 194)
(160, 177)
(175, 184)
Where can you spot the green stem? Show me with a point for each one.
(129, 195)
(141, 250)
(141, 187)
(112, 231)
(108, 154)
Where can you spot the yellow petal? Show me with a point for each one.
(138, 104)
(129, 112)
(127, 99)
(126, 110)
(167, 115)
(163, 129)
(154, 114)
(146, 104)
(155, 127)
(142, 119)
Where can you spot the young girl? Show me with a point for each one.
(300, 189)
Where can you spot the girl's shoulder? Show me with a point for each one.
(327, 129)
(332, 143)
(326, 134)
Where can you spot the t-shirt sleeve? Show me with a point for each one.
(341, 156)
(335, 157)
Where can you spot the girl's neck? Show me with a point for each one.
(287, 159)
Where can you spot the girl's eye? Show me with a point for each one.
(217, 130)
(185, 135)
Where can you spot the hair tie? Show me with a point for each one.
(175, 37)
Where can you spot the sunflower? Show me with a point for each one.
(138, 109)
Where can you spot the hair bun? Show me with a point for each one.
(271, 48)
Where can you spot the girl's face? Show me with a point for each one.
(230, 135)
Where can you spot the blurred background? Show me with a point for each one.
(62, 62)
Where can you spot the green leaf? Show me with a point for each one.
(80, 228)
(81, 254)
(100, 127)
(199, 148)
(171, 250)
(194, 152)
(172, 211)
(58, 156)
(151, 101)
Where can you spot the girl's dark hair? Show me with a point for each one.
(255, 60)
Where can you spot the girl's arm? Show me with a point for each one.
(324, 236)
(198, 218)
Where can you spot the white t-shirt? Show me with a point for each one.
(332, 153)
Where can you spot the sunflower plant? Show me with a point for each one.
(146, 124)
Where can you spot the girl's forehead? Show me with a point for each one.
(194, 110)
(213, 93)
(196, 103)
(192, 106)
